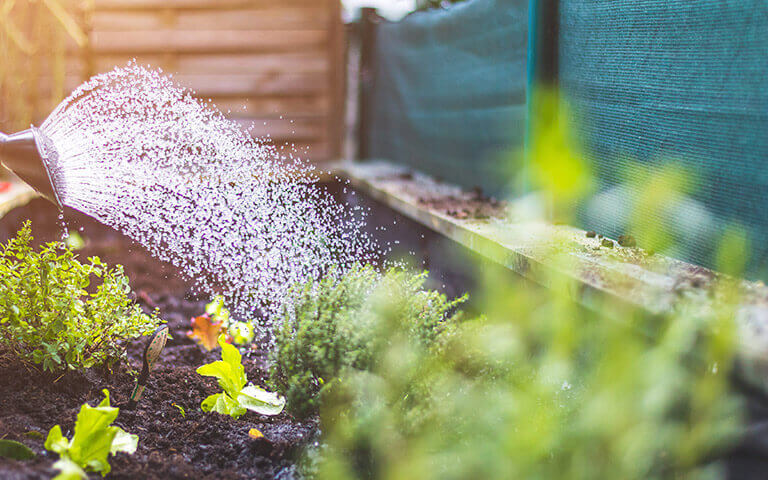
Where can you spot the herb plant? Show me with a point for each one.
(93, 441)
(238, 396)
(52, 314)
(332, 324)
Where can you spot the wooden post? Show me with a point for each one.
(337, 79)
(368, 22)
(542, 78)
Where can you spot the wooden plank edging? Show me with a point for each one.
(537, 250)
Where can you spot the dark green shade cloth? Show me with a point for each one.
(449, 91)
(673, 81)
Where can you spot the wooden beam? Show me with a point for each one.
(541, 251)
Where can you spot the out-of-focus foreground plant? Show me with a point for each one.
(541, 388)
(34, 35)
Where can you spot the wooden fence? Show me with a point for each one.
(275, 64)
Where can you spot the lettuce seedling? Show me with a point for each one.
(93, 441)
(238, 396)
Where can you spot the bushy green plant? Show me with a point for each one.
(47, 314)
(92, 443)
(540, 389)
(330, 325)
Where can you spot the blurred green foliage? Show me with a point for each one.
(332, 325)
(52, 313)
(540, 387)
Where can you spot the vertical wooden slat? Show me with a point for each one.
(368, 20)
(337, 78)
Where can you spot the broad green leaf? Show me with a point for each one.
(94, 440)
(261, 401)
(223, 404)
(231, 355)
(229, 371)
(15, 450)
(69, 470)
(56, 442)
(236, 398)
(124, 442)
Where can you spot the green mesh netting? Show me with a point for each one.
(656, 81)
(647, 82)
(449, 91)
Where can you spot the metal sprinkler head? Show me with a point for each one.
(34, 159)
(151, 353)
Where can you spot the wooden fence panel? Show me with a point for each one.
(276, 64)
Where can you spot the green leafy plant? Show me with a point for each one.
(93, 441)
(540, 388)
(238, 396)
(53, 314)
(331, 325)
(15, 450)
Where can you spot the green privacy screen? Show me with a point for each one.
(673, 81)
(448, 94)
(647, 83)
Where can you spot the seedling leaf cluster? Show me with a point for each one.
(93, 441)
(238, 396)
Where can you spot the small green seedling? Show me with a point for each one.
(237, 398)
(94, 440)
(241, 333)
(15, 450)
(181, 410)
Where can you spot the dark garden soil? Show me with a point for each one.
(171, 445)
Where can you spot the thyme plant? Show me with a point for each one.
(55, 313)
(330, 325)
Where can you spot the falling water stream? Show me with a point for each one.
(235, 214)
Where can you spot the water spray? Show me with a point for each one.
(33, 158)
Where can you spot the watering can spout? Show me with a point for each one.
(34, 159)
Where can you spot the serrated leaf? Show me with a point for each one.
(15, 450)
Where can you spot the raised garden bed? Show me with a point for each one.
(172, 445)
(202, 445)
(197, 445)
